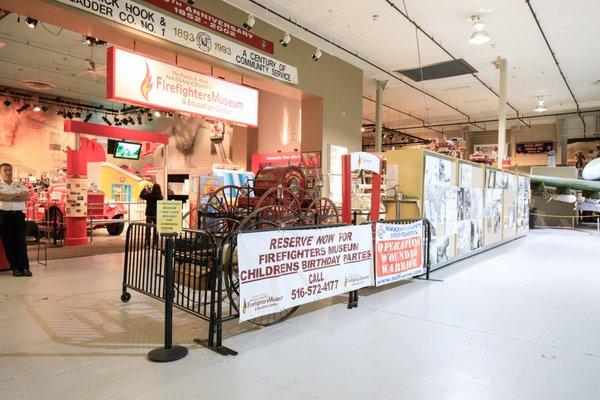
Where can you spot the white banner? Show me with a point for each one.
(285, 268)
(141, 80)
(398, 252)
(145, 19)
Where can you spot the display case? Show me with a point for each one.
(470, 206)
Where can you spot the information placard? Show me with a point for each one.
(168, 216)
(76, 205)
(280, 269)
(398, 252)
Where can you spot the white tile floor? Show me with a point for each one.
(517, 322)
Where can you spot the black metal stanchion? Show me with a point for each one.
(168, 352)
(352, 299)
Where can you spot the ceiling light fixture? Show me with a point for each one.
(150, 117)
(285, 40)
(541, 105)
(88, 117)
(249, 24)
(191, 2)
(105, 119)
(7, 103)
(157, 114)
(31, 22)
(139, 119)
(317, 54)
(37, 108)
(479, 36)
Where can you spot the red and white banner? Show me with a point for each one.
(145, 81)
(214, 23)
(398, 252)
(281, 158)
(285, 268)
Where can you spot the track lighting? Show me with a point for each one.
(106, 120)
(92, 41)
(31, 22)
(479, 36)
(69, 115)
(37, 108)
(541, 105)
(124, 121)
(139, 119)
(150, 117)
(317, 54)
(285, 40)
(130, 120)
(191, 2)
(7, 103)
(77, 114)
(249, 22)
(24, 107)
(157, 114)
(88, 117)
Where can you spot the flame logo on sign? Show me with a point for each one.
(146, 83)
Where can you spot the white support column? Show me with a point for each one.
(378, 112)
(501, 65)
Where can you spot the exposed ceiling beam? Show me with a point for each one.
(405, 113)
(356, 55)
(412, 21)
(511, 119)
(556, 62)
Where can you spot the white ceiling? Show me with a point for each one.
(390, 42)
(51, 55)
(571, 27)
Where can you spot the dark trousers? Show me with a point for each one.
(12, 233)
(151, 232)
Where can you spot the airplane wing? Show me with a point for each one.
(590, 190)
(566, 183)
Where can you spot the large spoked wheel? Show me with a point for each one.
(55, 219)
(322, 211)
(279, 196)
(223, 203)
(230, 258)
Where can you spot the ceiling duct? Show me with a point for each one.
(38, 85)
(445, 69)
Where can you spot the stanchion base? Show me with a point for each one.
(161, 354)
(222, 350)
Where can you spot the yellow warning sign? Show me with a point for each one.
(168, 216)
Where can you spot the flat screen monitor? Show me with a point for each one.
(128, 150)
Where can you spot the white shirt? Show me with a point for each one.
(15, 187)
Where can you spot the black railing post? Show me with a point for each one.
(168, 352)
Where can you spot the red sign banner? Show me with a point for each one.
(398, 252)
(216, 24)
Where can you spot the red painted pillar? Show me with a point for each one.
(76, 227)
(346, 190)
(375, 195)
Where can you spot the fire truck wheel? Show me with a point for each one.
(116, 228)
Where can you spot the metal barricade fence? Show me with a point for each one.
(197, 274)
(201, 264)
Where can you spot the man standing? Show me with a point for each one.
(13, 195)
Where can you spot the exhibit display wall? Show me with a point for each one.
(330, 90)
(470, 206)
